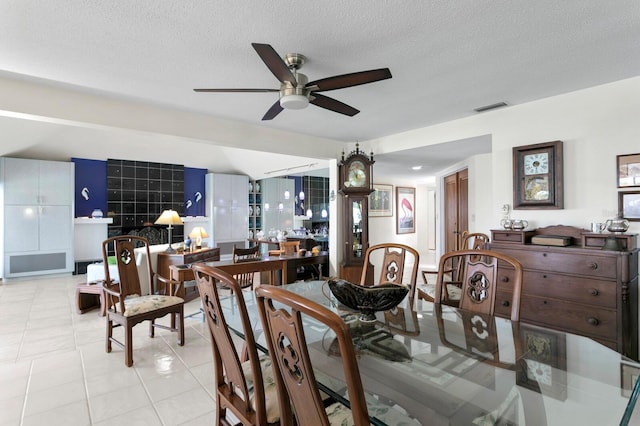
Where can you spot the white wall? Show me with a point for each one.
(596, 124)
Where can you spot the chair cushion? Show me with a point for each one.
(341, 415)
(143, 304)
(430, 290)
(270, 391)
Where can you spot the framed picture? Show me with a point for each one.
(405, 210)
(545, 367)
(381, 200)
(628, 170)
(629, 372)
(629, 205)
(537, 176)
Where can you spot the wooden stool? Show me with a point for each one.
(90, 295)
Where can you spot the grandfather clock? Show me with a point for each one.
(355, 175)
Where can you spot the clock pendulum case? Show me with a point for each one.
(355, 183)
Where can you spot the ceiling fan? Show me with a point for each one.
(296, 92)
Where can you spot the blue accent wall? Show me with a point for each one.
(194, 195)
(90, 190)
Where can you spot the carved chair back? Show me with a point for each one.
(294, 375)
(479, 280)
(289, 247)
(245, 255)
(232, 387)
(392, 259)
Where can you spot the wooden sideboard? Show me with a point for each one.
(580, 290)
(182, 258)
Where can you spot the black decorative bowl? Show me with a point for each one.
(367, 300)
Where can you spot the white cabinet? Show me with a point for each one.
(37, 217)
(227, 210)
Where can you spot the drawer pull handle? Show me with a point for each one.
(594, 292)
(505, 279)
(544, 276)
(506, 303)
(593, 265)
(544, 254)
(593, 321)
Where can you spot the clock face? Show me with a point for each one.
(357, 176)
(536, 164)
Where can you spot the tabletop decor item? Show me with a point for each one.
(367, 300)
(537, 176)
(617, 224)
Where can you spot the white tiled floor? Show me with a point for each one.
(54, 368)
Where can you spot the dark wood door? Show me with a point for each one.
(456, 208)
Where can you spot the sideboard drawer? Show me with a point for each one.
(591, 266)
(512, 237)
(571, 288)
(579, 319)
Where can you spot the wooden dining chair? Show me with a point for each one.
(286, 248)
(479, 281)
(427, 290)
(245, 280)
(125, 304)
(247, 389)
(391, 260)
(281, 313)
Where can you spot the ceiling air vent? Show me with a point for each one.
(490, 107)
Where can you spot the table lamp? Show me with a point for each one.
(169, 217)
(197, 234)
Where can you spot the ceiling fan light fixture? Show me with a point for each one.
(294, 102)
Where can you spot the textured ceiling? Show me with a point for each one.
(446, 57)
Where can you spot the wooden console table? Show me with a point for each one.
(165, 260)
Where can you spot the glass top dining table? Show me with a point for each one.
(440, 365)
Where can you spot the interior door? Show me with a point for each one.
(456, 209)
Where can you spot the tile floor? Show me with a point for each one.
(54, 368)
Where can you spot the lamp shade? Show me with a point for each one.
(198, 232)
(169, 217)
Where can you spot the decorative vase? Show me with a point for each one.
(97, 214)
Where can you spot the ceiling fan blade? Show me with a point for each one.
(236, 90)
(349, 80)
(333, 105)
(273, 111)
(275, 63)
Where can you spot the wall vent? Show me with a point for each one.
(490, 107)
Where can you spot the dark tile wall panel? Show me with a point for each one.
(138, 191)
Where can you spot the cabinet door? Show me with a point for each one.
(21, 228)
(55, 228)
(56, 181)
(239, 207)
(37, 182)
(222, 214)
(21, 179)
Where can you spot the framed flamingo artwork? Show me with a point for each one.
(405, 210)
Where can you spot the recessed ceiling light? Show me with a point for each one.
(416, 168)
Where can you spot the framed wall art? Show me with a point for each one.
(629, 205)
(381, 200)
(546, 362)
(405, 210)
(538, 176)
(628, 168)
